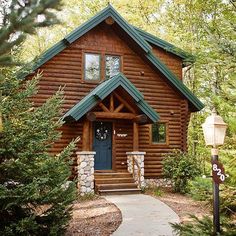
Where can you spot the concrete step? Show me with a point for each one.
(115, 186)
(114, 180)
(119, 191)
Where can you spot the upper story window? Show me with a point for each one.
(112, 66)
(159, 133)
(92, 67)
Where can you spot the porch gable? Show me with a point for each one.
(102, 91)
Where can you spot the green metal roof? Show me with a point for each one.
(102, 91)
(187, 57)
(139, 37)
(109, 11)
(178, 84)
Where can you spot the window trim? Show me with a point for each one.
(167, 134)
(84, 67)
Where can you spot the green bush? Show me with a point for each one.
(200, 189)
(180, 167)
(228, 200)
(204, 227)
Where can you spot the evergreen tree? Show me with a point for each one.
(34, 194)
(19, 18)
(35, 197)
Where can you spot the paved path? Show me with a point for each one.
(143, 215)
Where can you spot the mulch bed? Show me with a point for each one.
(94, 217)
(183, 205)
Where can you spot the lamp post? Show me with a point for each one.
(214, 129)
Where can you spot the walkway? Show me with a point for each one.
(143, 215)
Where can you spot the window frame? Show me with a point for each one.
(84, 67)
(166, 143)
(112, 55)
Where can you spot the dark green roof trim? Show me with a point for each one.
(44, 57)
(109, 11)
(138, 35)
(175, 81)
(187, 57)
(102, 91)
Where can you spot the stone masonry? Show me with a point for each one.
(85, 161)
(158, 183)
(139, 157)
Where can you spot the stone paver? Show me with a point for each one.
(143, 215)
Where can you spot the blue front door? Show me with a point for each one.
(102, 145)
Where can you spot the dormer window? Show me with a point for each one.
(112, 66)
(92, 67)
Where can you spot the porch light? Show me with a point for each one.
(214, 130)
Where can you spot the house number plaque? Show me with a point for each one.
(218, 172)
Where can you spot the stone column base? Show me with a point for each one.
(85, 161)
(135, 159)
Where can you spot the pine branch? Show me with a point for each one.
(22, 18)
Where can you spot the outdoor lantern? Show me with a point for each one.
(214, 130)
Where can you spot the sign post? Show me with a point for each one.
(218, 175)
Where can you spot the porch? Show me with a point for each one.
(113, 103)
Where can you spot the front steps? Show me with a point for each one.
(112, 183)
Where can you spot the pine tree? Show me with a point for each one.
(35, 195)
(19, 18)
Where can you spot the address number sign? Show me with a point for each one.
(218, 172)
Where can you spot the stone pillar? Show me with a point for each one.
(133, 168)
(85, 161)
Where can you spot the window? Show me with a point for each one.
(112, 66)
(159, 133)
(92, 67)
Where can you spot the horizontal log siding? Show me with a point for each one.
(123, 144)
(172, 61)
(65, 69)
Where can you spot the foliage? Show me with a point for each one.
(203, 227)
(87, 197)
(157, 192)
(35, 197)
(180, 167)
(200, 189)
(228, 200)
(19, 18)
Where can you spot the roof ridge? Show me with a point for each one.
(137, 36)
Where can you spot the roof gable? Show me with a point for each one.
(102, 91)
(137, 36)
(109, 11)
(187, 57)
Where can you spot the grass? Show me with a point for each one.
(87, 197)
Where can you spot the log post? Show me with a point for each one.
(135, 137)
(85, 141)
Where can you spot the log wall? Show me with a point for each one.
(65, 69)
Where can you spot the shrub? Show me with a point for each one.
(228, 200)
(204, 227)
(35, 197)
(180, 167)
(157, 192)
(200, 189)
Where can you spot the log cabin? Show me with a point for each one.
(124, 97)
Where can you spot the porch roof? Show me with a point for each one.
(102, 91)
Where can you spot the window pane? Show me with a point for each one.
(159, 133)
(112, 66)
(92, 67)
